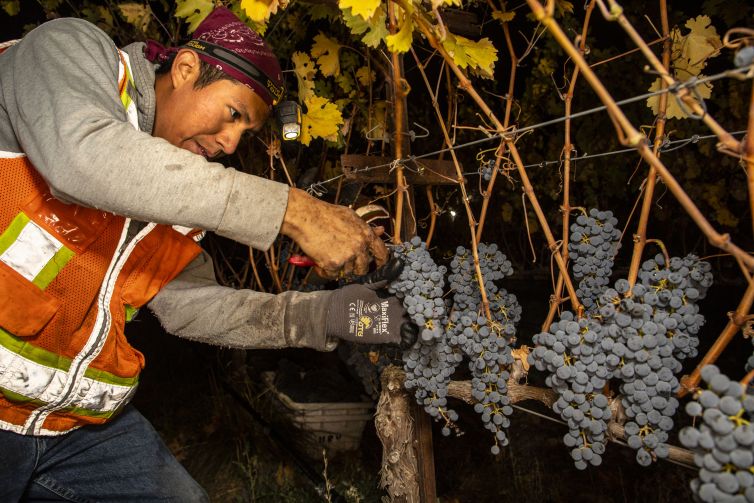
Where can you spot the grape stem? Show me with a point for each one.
(628, 135)
(640, 238)
(464, 83)
(399, 94)
(499, 155)
(462, 185)
(568, 149)
(664, 250)
(736, 321)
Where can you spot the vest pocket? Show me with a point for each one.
(24, 308)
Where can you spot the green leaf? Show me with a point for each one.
(363, 8)
(375, 28)
(193, 11)
(11, 7)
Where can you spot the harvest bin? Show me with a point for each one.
(334, 426)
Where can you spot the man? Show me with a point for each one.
(95, 143)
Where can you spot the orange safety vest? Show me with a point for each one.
(70, 278)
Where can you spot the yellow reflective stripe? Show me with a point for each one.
(51, 270)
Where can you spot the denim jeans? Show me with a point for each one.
(124, 460)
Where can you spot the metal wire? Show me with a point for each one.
(614, 440)
(319, 189)
(666, 147)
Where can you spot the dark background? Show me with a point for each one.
(232, 454)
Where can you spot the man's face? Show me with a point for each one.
(209, 121)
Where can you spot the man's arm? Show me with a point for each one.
(195, 307)
(59, 90)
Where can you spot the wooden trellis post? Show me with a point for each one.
(401, 422)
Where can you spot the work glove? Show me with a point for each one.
(364, 312)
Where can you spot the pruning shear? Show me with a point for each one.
(369, 213)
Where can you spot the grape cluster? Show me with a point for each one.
(676, 288)
(367, 366)
(486, 168)
(431, 361)
(593, 244)
(640, 352)
(486, 343)
(722, 439)
(571, 352)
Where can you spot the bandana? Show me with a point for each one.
(224, 42)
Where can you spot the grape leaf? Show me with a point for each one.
(260, 11)
(194, 11)
(374, 127)
(304, 69)
(363, 8)
(701, 42)
(365, 76)
(477, 56)
(504, 17)
(375, 28)
(136, 14)
(325, 50)
(674, 110)
(440, 3)
(11, 7)
(401, 41)
(563, 7)
(99, 15)
(321, 120)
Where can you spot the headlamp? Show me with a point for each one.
(288, 115)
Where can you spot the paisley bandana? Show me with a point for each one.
(223, 41)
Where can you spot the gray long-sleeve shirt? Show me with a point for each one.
(59, 104)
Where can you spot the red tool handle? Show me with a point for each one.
(301, 261)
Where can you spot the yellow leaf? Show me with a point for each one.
(365, 76)
(478, 56)
(325, 50)
(701, 43)
(260, 11)
(674, 110)
(136, 14)
(440, 3)
(375, 126)
(504, 17)
(363, 8)
(401, 41)
(321, 120)
(304, 69)
(375, 28)
(562, 7)
(194, 11)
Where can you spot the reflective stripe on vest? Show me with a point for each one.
(33, 252)
(35, 376)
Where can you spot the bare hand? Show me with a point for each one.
(333, 236)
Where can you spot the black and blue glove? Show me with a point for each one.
(365, 312)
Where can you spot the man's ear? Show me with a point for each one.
(185, 68)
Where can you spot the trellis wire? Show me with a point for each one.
(318, 188)
(681, 143)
